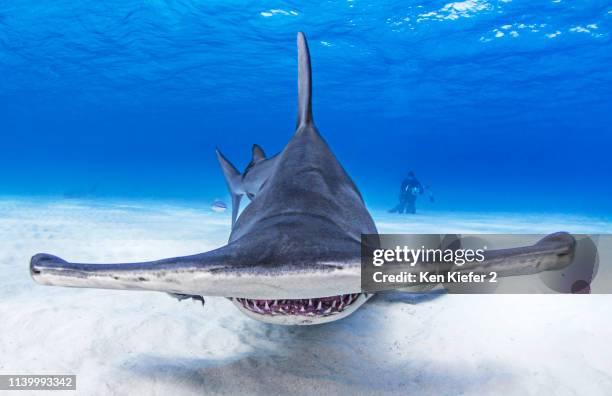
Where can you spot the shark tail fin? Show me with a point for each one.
(232, 178)
(258, 154)
(304, 82)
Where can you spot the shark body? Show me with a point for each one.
(294, 253)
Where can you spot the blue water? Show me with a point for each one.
(497, 105)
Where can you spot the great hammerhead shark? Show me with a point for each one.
(294, 254)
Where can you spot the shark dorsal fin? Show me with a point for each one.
(258, 154)
(304, 83)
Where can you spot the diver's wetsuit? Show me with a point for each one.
(410, 188)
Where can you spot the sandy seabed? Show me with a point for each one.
(126, 342)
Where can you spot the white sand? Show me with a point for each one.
(147, 343)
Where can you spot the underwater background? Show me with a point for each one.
(499, 106)
(110, 112)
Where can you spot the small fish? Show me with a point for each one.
(218, 206)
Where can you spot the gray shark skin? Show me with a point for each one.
(250, 181)
(294, 253)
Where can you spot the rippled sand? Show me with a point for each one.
(122, 342)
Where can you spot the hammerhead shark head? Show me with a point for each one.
(294, 254)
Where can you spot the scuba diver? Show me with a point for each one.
(409, 191)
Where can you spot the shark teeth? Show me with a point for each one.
(322, 306)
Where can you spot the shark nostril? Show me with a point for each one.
(41, 262)
(34, 269)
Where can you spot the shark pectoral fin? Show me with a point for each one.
(407, 297)
(553, 252)
(235, 207)
(234, 181)
(229, 170)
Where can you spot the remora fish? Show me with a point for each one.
(293, 256)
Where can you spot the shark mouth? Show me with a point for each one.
(323, 306)
(303, 311)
